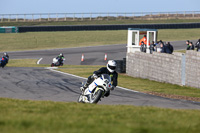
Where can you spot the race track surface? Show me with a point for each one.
(92, 55)
(44, 84)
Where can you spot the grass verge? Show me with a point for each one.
(143, 85)
(23, 116)
(51, 40)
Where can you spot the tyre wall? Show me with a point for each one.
(106, 27)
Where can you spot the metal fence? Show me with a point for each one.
(42, 17)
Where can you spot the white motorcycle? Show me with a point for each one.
(56, 62)
(96, 90)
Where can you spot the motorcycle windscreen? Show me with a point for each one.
(106, 76)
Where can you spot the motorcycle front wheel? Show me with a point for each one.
(80, 99)
(96, 97)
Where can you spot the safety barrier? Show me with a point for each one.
(106, 27)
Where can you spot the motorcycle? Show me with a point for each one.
(56, 62)
(96, 90)
(3, 62)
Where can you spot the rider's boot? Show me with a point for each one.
(84, 87)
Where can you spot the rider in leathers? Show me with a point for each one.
(110, 70)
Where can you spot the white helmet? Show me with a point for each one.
(5, 54)
(111, 66)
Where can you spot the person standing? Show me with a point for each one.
(169, 48)
(190, 46)
(197, 45)
(143, 47)
(144, 40)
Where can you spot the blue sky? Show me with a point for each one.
(79, 6)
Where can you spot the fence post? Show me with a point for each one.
(90, 16)
(16, 18)
(40, 17)
(32, 17)
(48, 17)
(1, 18)
(24, 17)
(9, 18)
(65, 17)
(183, 69)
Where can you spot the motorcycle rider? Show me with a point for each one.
(4, 60)
(6, 57)
(110, 70)
(60, 58)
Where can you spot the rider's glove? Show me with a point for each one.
(95, 76)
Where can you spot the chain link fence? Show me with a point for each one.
(45, 17)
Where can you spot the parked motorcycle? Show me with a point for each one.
(96, 90)
(57, 62)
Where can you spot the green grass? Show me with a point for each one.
(142, 85)
(23, 116)
(51, 40)
(100, 22)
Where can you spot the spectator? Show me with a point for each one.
(187, 43)
(190, 46)
(143, 47)
(152, 47)
(197, 45)
(144, 40)
(169, 48)
(162, 47)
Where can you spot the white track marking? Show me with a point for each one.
(86, 78)
(38, 62)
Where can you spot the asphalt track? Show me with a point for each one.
(92, 55)
(45, 84)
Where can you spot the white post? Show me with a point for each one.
(90, 16)
(9, 19)
(40, 17)
(16, 18)
(2, 18)
(24, 17)
(48, 17)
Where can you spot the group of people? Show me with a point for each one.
(191, 46)
(158, 46)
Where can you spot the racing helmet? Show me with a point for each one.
(5, 54)
(61, 54)
(111, 66)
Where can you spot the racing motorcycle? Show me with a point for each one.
(56, 62)
(3, 62)
(96, 90)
